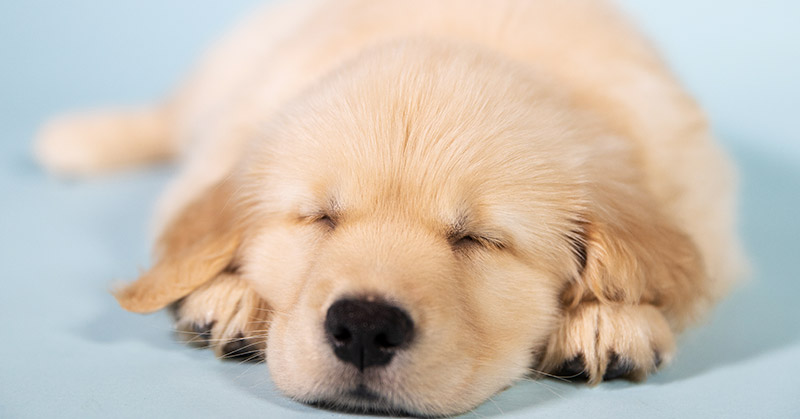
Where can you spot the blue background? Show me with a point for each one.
(67, 350)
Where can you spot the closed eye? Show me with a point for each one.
(472, 241)
(467, 240)
(326, 220)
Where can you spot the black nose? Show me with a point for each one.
(367, 333)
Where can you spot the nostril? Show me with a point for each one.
(382, 341)
(341, 335)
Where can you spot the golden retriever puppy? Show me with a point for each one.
(408, 205)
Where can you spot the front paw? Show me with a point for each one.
(226, 315)
(597, 342)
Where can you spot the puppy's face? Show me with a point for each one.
(412, 229)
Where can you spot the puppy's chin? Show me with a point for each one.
(374, 394)
(362, 400)
(364, 395)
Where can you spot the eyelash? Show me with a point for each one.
(468, 240)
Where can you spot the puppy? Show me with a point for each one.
(406, 206)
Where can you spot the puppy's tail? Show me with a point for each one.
(94, 142)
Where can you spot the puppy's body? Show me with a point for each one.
(598, 211)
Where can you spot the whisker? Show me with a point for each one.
(563, 378)
(545, 386)
(249, 369)
(245, 346)
(491, 399)
(246, 359)
(270, 311)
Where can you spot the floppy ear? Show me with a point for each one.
(634, 254)
(200, 243)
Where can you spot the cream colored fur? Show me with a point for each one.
(336, 148)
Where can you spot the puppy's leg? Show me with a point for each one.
(598, 341)
(225, 315)
(640, 279)
(92, 142)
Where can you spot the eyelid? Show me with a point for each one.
(466, 239)
(326, 219)
(323, 218)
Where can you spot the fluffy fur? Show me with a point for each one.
(524, 178)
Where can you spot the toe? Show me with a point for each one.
(201, 334)
(241, 349)
(573, 369)
(618, 367)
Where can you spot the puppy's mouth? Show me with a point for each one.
(364, 393)
(361, 399)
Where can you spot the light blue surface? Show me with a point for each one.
(67, 350)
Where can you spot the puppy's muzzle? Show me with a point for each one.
(367, 333)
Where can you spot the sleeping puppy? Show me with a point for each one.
(406, 206)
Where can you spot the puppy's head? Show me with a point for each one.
(415, 222)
